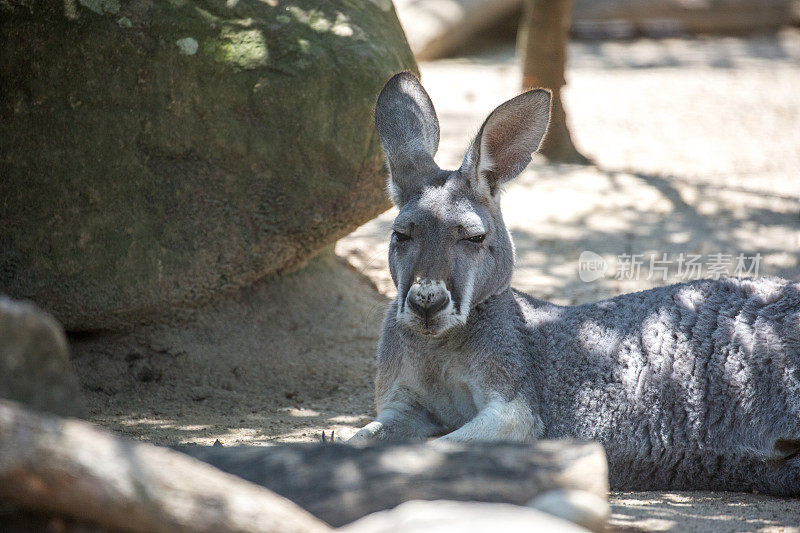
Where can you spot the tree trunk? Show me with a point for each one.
(544, 33)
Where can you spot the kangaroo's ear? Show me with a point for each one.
(505, 142)
(409, 132)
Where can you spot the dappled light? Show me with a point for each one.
(699, 512)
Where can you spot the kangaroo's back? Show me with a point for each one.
(678, 382)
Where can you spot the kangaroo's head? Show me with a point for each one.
(450, 249)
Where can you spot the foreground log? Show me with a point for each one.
(464, 517)
(70, 468)
(340, 483)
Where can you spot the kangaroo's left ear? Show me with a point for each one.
(505, 142)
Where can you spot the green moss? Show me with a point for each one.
(245, 49)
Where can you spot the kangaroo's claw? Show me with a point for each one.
(330, 439)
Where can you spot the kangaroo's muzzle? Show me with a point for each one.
(427, 297)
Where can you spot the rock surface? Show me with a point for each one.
(157, 154)
(34, 361)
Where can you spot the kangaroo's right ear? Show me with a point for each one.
(505, 142)
(409, 132)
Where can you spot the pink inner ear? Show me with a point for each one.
(504, 145)
(505, 142)
(508, 140)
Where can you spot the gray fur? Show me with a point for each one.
(690, 386)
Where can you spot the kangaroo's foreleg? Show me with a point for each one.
(399, 421)
(501, 420)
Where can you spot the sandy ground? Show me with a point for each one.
(275, 362)
(697, 151)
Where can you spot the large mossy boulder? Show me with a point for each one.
(154, 155)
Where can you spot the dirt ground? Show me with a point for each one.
(697, 151)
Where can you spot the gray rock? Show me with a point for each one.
(157, 154)
(34, 361)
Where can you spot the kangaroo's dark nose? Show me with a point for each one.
(427, 297)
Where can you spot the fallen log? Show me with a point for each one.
(464, 517)
(442, 28)
(71, 468)
(339, 483)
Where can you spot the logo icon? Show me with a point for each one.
(591, 266)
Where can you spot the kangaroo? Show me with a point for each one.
(690, 386)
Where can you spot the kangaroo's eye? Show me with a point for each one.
(401, 237)
(476, 238)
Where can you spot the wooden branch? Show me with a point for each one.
(340, 483)
(71, 468)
